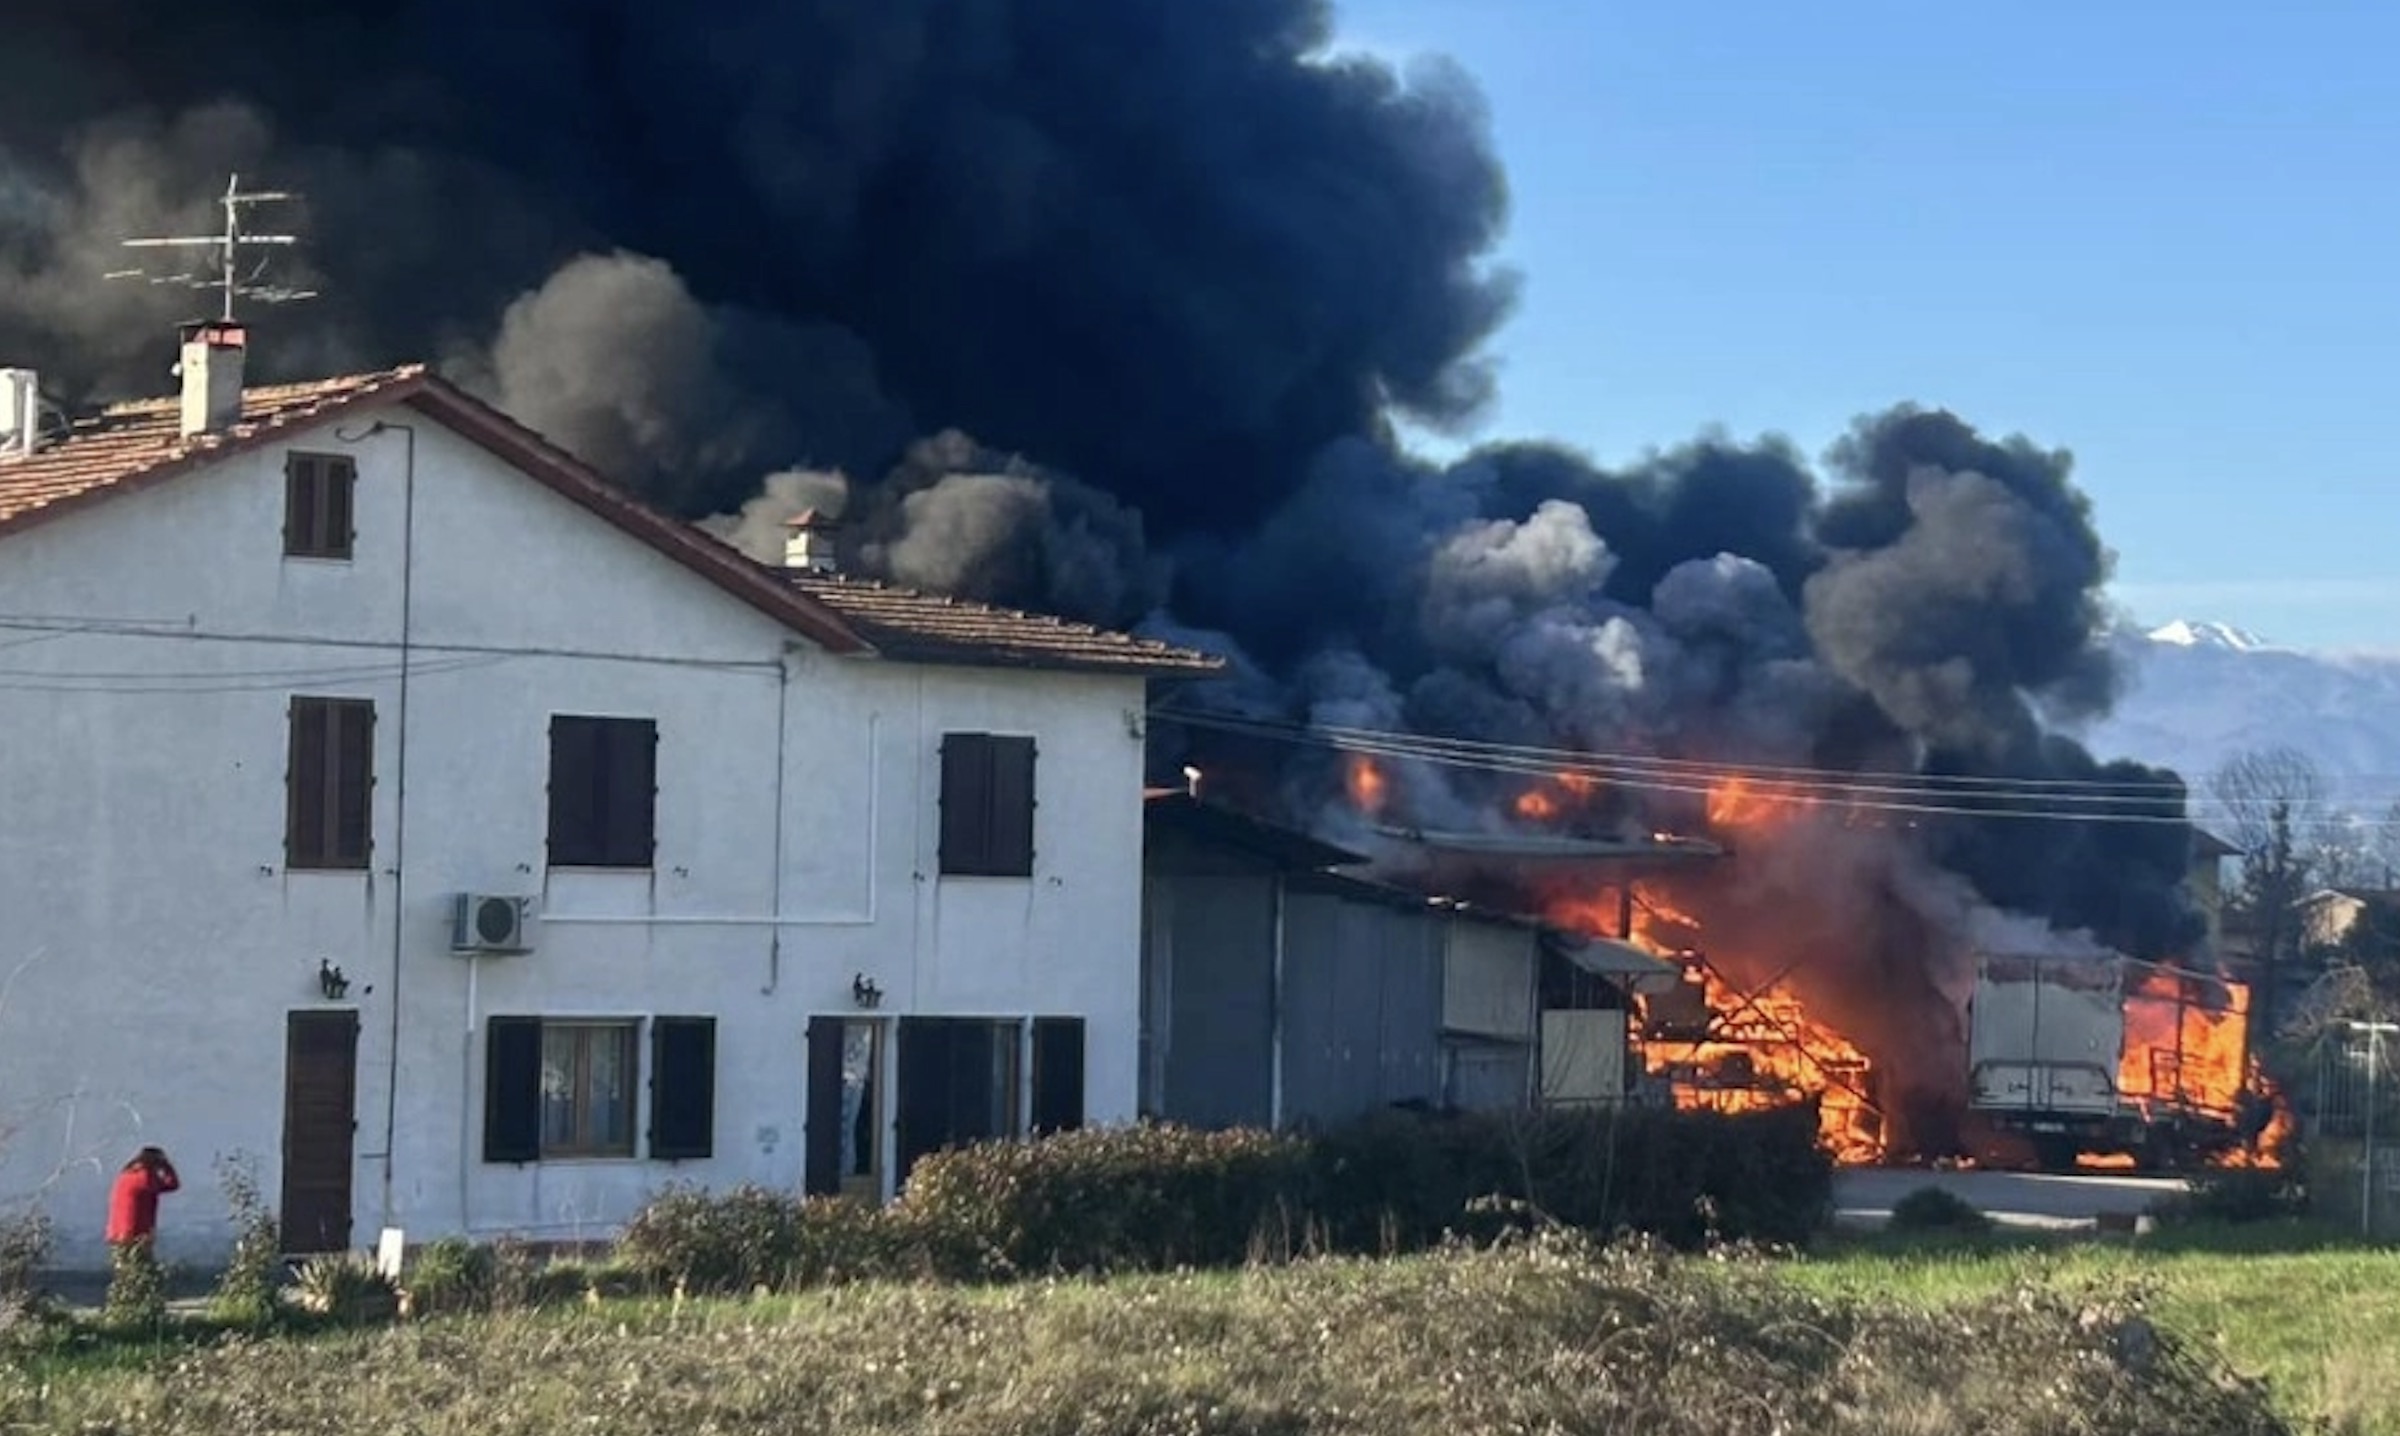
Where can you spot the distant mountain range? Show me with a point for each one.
(2196, 693)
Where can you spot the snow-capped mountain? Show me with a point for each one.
(2196, 693)
(2184, 633)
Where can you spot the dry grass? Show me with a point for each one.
(2321, 1326)
(1554, 1338)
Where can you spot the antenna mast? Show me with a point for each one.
(226, 274)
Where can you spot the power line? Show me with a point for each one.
(1553, 763)
(1631, 768)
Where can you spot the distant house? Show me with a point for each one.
(2334, 917)
(389, 799)
(2205, 883)
(1280, 991)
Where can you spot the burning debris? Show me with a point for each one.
(1054, 307)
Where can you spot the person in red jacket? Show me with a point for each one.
(133, 1201)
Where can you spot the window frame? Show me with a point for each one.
(584, 1145)
(318, 802)
(619, 750)
(320, 506)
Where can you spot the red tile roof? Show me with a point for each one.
(130, 447)
(918, 627)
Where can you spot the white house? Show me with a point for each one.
(389, 802)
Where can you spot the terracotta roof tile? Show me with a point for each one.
(917, 627)
(132, 446)
(124, 443)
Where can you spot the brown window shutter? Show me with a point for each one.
(1011, 840)
(339, 478)
(630, 788)
(512, 1089)
(353, 811)
(821, 1161)
(574, 792)
(966, 803)
(1057, 1074)
(683, 1088)
(304, 785)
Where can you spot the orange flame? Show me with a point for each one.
(1760, 1051)
(1536, 805)
(1366, 784)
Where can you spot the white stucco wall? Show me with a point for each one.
(154, 943)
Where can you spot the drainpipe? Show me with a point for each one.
(408, 535)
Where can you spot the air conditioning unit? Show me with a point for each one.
(487, 922)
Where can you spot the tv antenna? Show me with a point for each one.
(224, 271)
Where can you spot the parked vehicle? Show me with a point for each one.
(2102, 1055)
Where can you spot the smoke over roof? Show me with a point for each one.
(1107, 307)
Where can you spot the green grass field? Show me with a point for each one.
(2317, 1318)
(1863, 1338)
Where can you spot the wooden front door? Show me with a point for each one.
(320, 1087)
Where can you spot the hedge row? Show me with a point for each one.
(1155, 1197)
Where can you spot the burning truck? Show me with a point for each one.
(2102, 1059)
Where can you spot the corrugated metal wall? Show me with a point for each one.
(1362, 1008)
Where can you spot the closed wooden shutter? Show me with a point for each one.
(1057, 1074)
(822, 1161)
(574, 796)
(683, 1088)
(353, 784)
(512, 1089)
(966, 803)
(1011, 841)
(629, 793)
(304, 830)
(987, 805)
(329, 784)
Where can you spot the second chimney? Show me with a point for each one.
(810, 545)
(212, 376)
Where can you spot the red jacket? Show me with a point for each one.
(133, 1202)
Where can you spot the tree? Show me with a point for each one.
(2271, 803)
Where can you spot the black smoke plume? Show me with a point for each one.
(1108, 306)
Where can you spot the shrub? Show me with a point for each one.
(452, 1274)
(734, 1240)
(1932, 1209)
(137, 1288)
(347, 1287)
(1103, 1199)
(246, 1293)
(25, 1246)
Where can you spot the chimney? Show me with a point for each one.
(212, 376)
(20, 411)
(810, 546)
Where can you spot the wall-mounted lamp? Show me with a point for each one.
(330, 980)
(864, 992)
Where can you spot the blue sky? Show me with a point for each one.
(2159, 235)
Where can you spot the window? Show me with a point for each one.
(1057, 1074)
(329, 779)
(987, 805)
(603, 792)
(566, 1087)
(316, 505)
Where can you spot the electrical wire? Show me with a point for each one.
(2021, 804)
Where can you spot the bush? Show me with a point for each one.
(1103, 1199)
(1932, 1209)
(246, 1293)
(452, 1274)
(25, 1246)
(137, 1288)
(1156, 1197)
